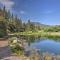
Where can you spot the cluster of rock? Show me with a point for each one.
(35, 54)
(46, 56)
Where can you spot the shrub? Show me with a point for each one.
(2, 34)
(15, 46)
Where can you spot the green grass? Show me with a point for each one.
(39, 33)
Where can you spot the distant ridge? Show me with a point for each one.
(40, 24)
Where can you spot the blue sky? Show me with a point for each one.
(43, 11)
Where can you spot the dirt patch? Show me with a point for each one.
(3, 42)
(5, 51)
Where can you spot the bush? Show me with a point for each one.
(17, 49)
(2, 33)
(15, 46)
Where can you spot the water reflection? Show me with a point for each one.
(45, 44)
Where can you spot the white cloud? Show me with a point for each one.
(7, 3)
(48, 12)
(22, 12)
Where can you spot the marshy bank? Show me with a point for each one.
(38, 33)
(36, 50)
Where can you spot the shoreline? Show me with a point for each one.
(38, 34)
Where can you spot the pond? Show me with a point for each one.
(47, 45)
(44, 44)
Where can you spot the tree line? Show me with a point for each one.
(15, 24)
(12, 23)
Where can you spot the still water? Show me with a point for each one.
(47, 45)
(50, 45)
(43, 44)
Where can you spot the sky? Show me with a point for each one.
(43, 11)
